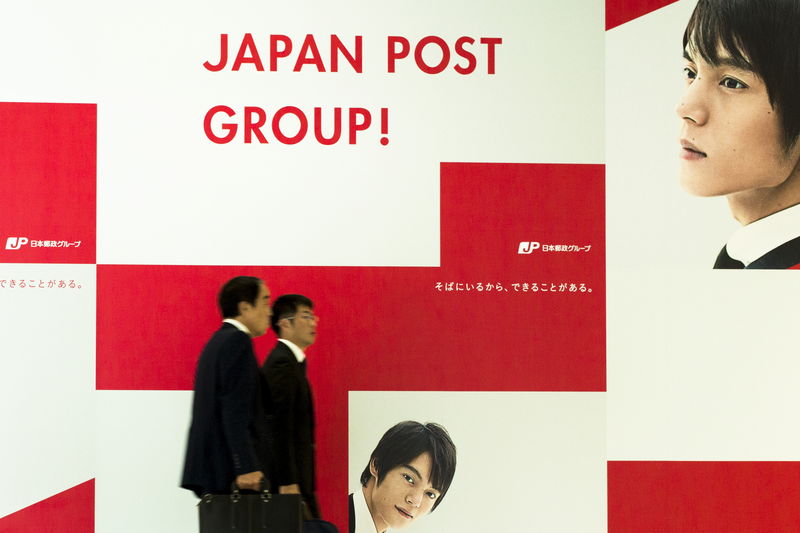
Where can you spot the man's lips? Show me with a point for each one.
(405, 514)
(690, 151)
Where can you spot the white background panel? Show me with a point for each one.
(526, 461)
(704, 368)
(140, 449)
(168, 195)
(47, 342)
(702, 364)
(651, 221)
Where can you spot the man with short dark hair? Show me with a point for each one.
(295, 324)
(228, 432)
(407, 477)
(740, 116)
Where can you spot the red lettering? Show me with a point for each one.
(276, 125)
(395, 54)
(399, 47)
(223, 55)
(337, 126)
(230, 128)
(355, 124)
(337, 47)
(290, 125)
(251, 127)
(281, 46)
(490, 43)
(424, 67)
(275, 53)
(254, 58)
(469, 56)
(384, 125)
(309, 45)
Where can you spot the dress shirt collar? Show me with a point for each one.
(298, 353)
(364, 523)
(757, 238)
(239, 325)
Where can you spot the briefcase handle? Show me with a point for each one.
(264, 491)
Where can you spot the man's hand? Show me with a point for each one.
(250, 481)
(294, 488)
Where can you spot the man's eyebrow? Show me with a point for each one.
(416, 472)
(735, 62)
(725, 61)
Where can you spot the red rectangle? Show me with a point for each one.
(490, 318)
(708, 497)
(48, 175)
(619, 12)
(70, 511)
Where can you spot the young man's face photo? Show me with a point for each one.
(404, 495)
(731, 137)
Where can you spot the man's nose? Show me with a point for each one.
(414, 498)
(693, 107)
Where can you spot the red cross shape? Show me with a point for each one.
(391, 328)
(382, 328)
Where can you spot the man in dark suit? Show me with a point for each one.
(294, 322)
(228, 430)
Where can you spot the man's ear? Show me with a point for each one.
(372, 470)
(244, 306)
(282, 324)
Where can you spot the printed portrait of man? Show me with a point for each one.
(406, 477)
(740, 123)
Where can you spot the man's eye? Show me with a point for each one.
(408, 478)
(432, 495)
(689, 74)
(730, 83)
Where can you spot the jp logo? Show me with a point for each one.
(15, 243)
(526, 247)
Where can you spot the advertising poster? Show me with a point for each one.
(702, 367)
(484, 203)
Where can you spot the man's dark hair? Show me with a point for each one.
(286, 305)
(760, 35)
(238, 289)
(406, 441)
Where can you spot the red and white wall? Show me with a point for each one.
(604, 381)
(702, 365)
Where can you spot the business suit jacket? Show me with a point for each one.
(292, 432)
(228, 429)
(785, 256)
(351, 514)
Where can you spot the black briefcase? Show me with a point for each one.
(260, 512)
